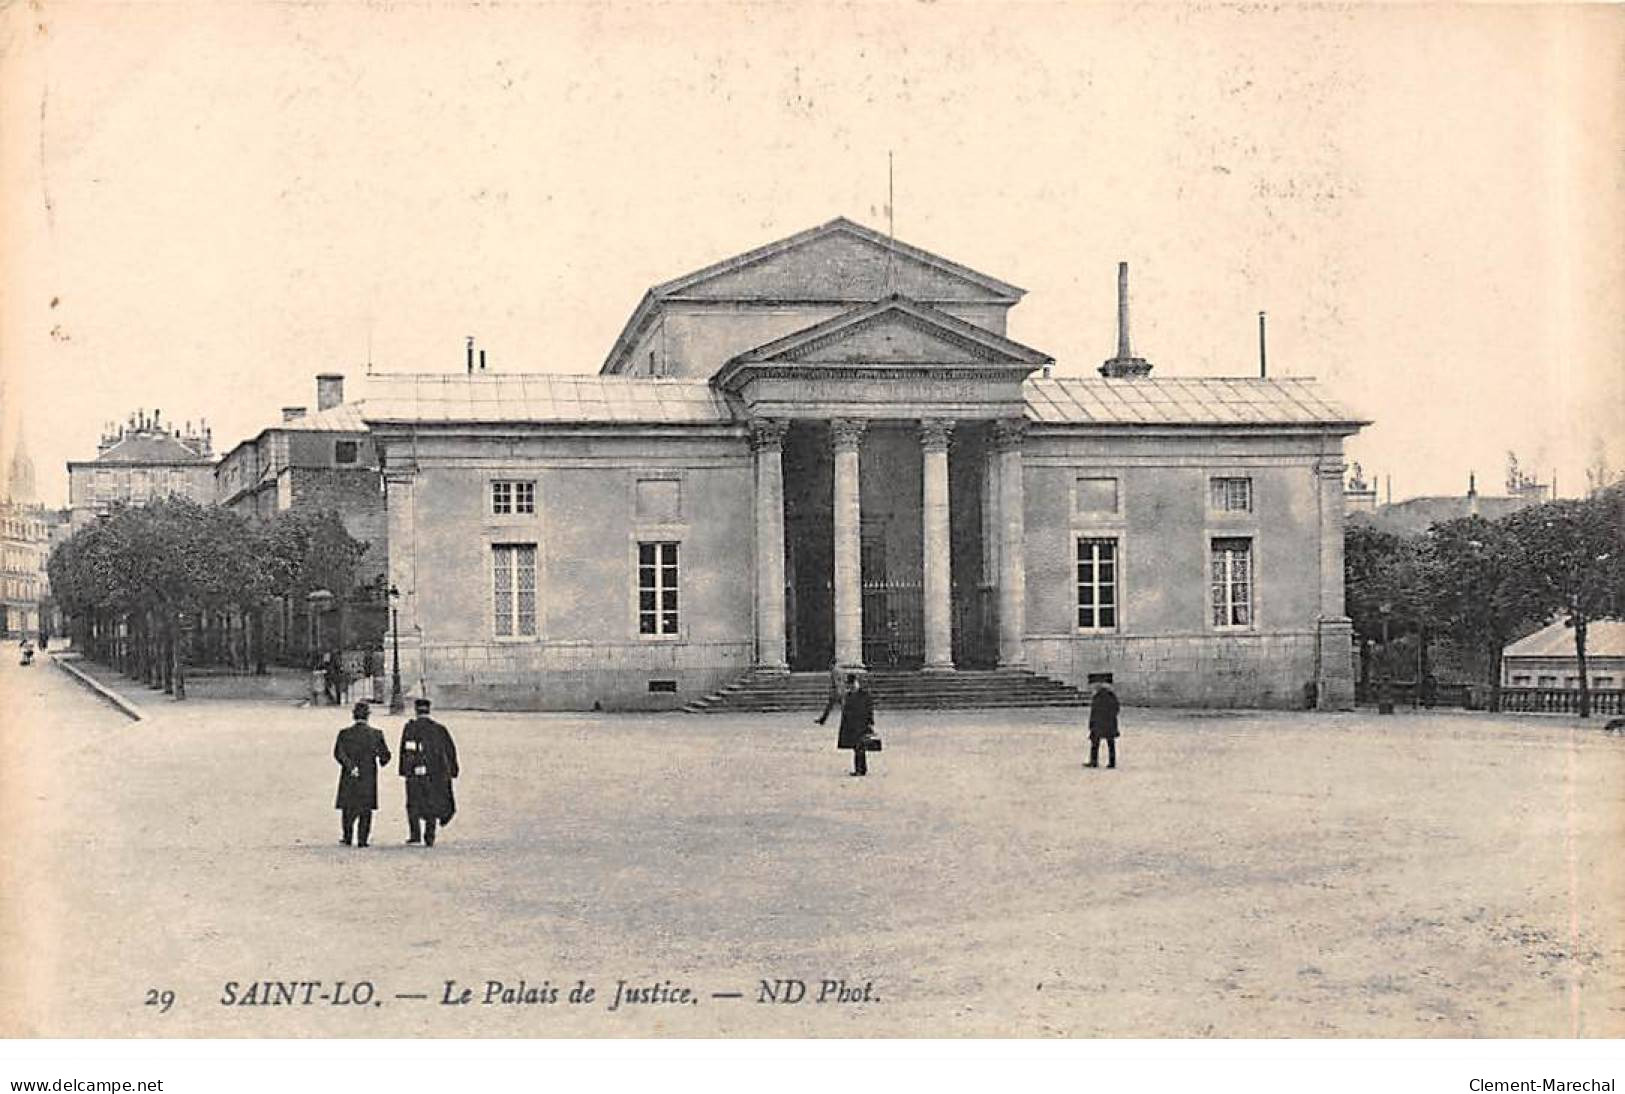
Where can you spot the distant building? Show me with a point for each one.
(828, 448)
(25, 531)
(1546, 658)
(325, 461)
(140, 461)
(1416, 515)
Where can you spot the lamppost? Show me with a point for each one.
(1385, 694)
(396, 704)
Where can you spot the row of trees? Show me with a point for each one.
(131, 583)
(1483, 584)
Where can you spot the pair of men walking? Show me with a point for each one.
(428, 763)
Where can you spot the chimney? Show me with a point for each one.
(471, 355)
(482, 360)
(292, 413)
(1472, 494)
(1125, 365)
(1263, 357)
(329, 390)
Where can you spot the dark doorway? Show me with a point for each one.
(809, 539)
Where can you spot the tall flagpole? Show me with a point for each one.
(891, 226)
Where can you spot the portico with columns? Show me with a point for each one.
(908, 383)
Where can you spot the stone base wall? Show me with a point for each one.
(573, 675)
(1262, 670)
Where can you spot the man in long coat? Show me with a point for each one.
(360, 751)
(857, 723)
(428, 764)
(1103, 726)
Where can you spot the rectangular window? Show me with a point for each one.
(1547, 681)
(1520, 681)
(657, 588)
(1097, 496)
(1231, 495)
(345, 451)
(1232, 582)
(510, 497)
(1602, 681)
(1097, 584)
(513, 589)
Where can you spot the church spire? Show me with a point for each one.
(20, 475)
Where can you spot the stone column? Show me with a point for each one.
(938, 570)
(846, 434)
(1334, 676)
(1007, 437)
(767, 441)
(400, 486)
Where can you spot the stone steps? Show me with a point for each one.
(765, 692)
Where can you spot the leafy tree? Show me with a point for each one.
(1382, 570)
(1479, 588)
(141, 573)
(1575, 553)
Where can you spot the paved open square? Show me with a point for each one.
(1240, 875)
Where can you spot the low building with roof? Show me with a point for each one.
(139, 461)
(1546, 659)
(829, 450)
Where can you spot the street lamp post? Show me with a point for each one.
(1385, 693)
(396, 704)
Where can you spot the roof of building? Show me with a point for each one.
(1184, 401)
(542, 397)
(149, 448)
(1419, 514)
(677, 287)
(548, 397)
(344, 418)
(1604, 638)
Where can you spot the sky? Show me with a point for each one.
(203, 206)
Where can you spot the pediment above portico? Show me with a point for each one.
(893, 352)
(893, 331)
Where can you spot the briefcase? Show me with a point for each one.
(870, 743)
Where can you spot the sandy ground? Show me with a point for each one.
(1240, 875)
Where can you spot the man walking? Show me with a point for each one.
(835, 696)
(428, 764)
(360, 751)
(1103, 725)
(857, 724)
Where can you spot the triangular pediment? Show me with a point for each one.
(838, 261)
(894, 331)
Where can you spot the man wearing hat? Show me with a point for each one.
(360, 751)
(428, 764)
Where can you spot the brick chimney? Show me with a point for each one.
(329, 390)
(1125, 365)
(292, 413)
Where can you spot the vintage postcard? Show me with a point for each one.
(735, 520)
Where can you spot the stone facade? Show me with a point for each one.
(139, 461)
(789, 459)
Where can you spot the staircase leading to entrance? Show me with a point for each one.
(766, 692)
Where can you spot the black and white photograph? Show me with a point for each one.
(885, 521)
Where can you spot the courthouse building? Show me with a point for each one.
(829, 448)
